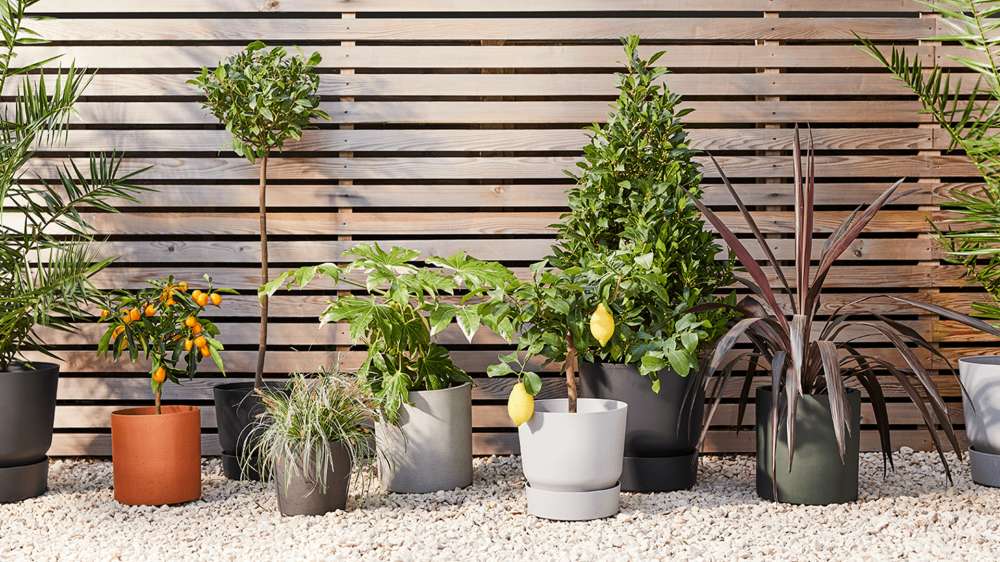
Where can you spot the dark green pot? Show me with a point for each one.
(817, 475)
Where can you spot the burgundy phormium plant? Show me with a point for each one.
(807, 361)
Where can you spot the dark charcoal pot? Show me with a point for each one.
(236, 408)
(302, 494)
(27, 410)
(662, 431)
(817, 476)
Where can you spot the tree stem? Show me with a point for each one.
(156, 397)
(571, 373)
(258, 379)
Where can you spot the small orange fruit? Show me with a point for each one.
(170, 302)
(196, 294)
(190, 321)
(188, 344)
(127, 318)
(159, 375)
(150, 311)
(202, 300)
(104, 313)
(196, 329)
(216, 299)
(118, 331)
(200, 341)
(204, 351)
(135, 315)
(182, 286)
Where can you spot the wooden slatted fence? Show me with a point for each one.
(452, 123)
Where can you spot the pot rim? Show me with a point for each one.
(40, 367)
(150, 411)
(982, 360)
(619, 406)
(449, 389)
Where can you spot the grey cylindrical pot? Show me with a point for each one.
(573, 461)
(817, 475)
(27, 412)
(661, 434)
(301, 492)
(980, 378)
(431, 448)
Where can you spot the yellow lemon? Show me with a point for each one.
(602, 324)
(520, 405)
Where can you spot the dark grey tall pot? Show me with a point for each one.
(27, 411)
(431, 448)
(661, 434)
(817, 476)
(301, 492)
(236, 408)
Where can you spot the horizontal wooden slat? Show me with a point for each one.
(586, 56)
(490, 140)
(520, 112)
(740, 83)
(198, 7)
(465, 29)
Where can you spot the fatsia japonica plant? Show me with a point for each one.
(971, 118)
(264, 98)
(808, 356)
(404, 306)
(47, 259)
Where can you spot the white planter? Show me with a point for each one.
(980, 378)
(431, 448)
(573, 462)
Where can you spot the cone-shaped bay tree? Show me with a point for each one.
(264, 97)
(633, 274)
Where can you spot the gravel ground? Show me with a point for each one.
(910, 515)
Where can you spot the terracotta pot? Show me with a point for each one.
(157, 458)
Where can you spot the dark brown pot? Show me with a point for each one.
(157, 458)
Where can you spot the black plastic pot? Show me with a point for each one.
(817, 475)
(236, 409)
(661, 434)
(27, 411)
(302, 494)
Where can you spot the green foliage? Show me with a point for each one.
(632, 239)
(46, 260)
(403, 309)
(153, 323)
(302, 421)
(972, 121)
(263, 97)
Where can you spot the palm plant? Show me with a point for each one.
(46, 259)
(971, 121)
(303, 421)
(806, 356)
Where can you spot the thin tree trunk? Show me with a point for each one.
(258, 379)
(571, 373)
(156, 398)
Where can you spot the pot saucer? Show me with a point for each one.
(25, 481)
(572, 506)
(985, 468)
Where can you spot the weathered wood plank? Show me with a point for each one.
(466, 29)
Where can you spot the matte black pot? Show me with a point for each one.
(236, 409)
(27, 411)
(817, 475)
(301, 494)
(661, 434)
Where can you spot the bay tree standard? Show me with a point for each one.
(264, 98)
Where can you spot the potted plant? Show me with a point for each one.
(971, 121)
(264, 98)
(808, 419)
(164, 325)
(424, 430)
(314, 434)
(647, 254)
(46, 260)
